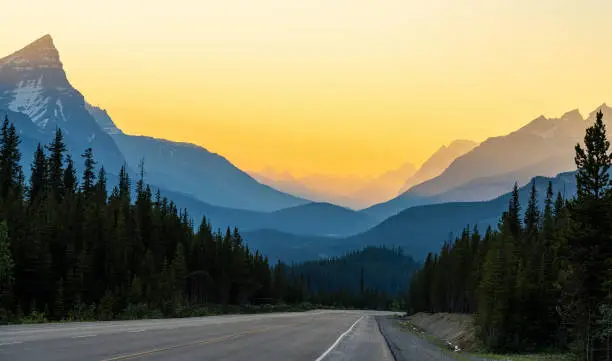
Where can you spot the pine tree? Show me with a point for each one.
(593, 163)
(513, 215)
(56, 148)
(532, 213)
(89, 175)
(101, 193)
(124, 184)
(588, 239)
(38, 179)
(70, 178)
(10, 156)
(548, 225)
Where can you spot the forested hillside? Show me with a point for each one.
(71, 250)
(373, 276)
(540, 280)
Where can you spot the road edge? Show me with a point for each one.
(390, 344)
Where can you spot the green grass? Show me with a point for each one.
(536, 357)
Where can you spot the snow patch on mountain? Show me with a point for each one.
(60, 106)
(28, 99)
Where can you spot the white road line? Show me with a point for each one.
(83, 336)
(11, 343)
(331, 348)
(135, 331)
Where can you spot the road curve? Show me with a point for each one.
(308, 336)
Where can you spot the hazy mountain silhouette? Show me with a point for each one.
(438, 162)
(545, 146)
(423, 229)
(349, 191)
(384, 186)
(33, 83)
(312, 219)
(285, 182)
(419, 229)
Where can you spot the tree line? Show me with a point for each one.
(70, 249)
(375, 277)
(542, 279)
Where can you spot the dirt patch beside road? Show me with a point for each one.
(457, 329)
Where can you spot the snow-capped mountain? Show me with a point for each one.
(36, 95)
(33, 83)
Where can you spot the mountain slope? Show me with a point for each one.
(384, 186)
(423, 229)
(542, 147)
(192, 169)
(333, 220)
(349, 191)
(438, 162)
(418, 230)
(290, 248)
(33, 82)
(313, 219)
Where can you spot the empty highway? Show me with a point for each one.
(307, 336)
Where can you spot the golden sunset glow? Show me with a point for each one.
(312, 86)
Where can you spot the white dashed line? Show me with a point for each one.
(135, 331)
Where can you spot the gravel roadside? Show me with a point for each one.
(406, 346)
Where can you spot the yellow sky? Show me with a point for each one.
(320, 86)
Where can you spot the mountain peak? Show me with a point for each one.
(44, 42)
(41, 53)
(572, 115)
(462, 143)
(605, 109)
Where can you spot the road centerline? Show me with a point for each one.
(333, 346)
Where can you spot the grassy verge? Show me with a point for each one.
(468, 356)
(534, 357)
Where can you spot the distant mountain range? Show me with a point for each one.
(465, 189)
(543, 147)
(358, 193)
(33, 83)
(311, 219)
(418, 230)
(349, 191)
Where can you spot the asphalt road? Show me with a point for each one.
(308, 336)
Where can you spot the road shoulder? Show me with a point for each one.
(363, 343)
(407, 346)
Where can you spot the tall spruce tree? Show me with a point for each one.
(89, 175)
(38, 178)
(10, 169)
(589, 237)
(56, 148)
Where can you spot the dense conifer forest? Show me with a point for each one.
(70, 249)
(542, 279)
(375, 278)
